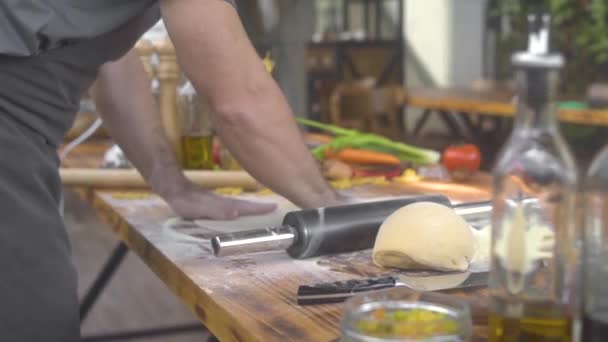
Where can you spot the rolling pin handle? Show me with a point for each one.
(474, 212)
(253, 241)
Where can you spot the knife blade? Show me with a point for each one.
(339, 291)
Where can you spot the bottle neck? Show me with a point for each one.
(537, 90)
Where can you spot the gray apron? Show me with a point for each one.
(39, 97)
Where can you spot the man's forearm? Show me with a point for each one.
(268, 144)
(251, 115)
(122, 93)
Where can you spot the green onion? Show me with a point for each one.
(326, 127)
(349, 138)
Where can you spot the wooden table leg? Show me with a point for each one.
(472, 129)
(490, 142)
(153, 332)
(452, 124)
(421, 122)
(102, 280)
(105, 275)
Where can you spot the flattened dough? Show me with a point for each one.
(425, 236)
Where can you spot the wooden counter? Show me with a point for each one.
(252, 297)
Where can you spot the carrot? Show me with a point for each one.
(357, 156)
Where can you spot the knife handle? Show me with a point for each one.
(339, 291)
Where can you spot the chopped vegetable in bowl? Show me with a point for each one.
(404, 315)
(416, 323)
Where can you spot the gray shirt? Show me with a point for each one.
(50, 51)
(29, 27)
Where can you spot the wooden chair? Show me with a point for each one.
(385, 114)
(362, 106)
(349, 102)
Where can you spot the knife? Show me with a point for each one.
(339, 291)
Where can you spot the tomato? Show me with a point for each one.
(462, 161)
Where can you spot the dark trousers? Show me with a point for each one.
(38, 283)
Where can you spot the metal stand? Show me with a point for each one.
(462, 127)
(100, 283)
(448, 119)
(102, 280)
(155, 332)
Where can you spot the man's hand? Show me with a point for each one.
(194, 202)
(250, 114)
(122, 94)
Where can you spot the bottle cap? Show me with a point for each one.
(538, 54)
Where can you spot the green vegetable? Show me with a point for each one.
(349, 138)
(326, 127)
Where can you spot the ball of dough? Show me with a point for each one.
(424, 235)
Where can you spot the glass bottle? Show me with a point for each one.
(197, 137)
(595, 261)
(534, 242)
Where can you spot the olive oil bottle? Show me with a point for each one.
(534, 243)
(197, 137)
(532, 322)
(198, 152)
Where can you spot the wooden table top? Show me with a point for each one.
(252, 297)
(489, 102)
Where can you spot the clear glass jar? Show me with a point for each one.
(595, 261)
(197, 137)
(534, 241)
(404, 315)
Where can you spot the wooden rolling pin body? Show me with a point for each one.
(113, 178)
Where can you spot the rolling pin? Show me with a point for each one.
(130, 178)
(314, 232)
